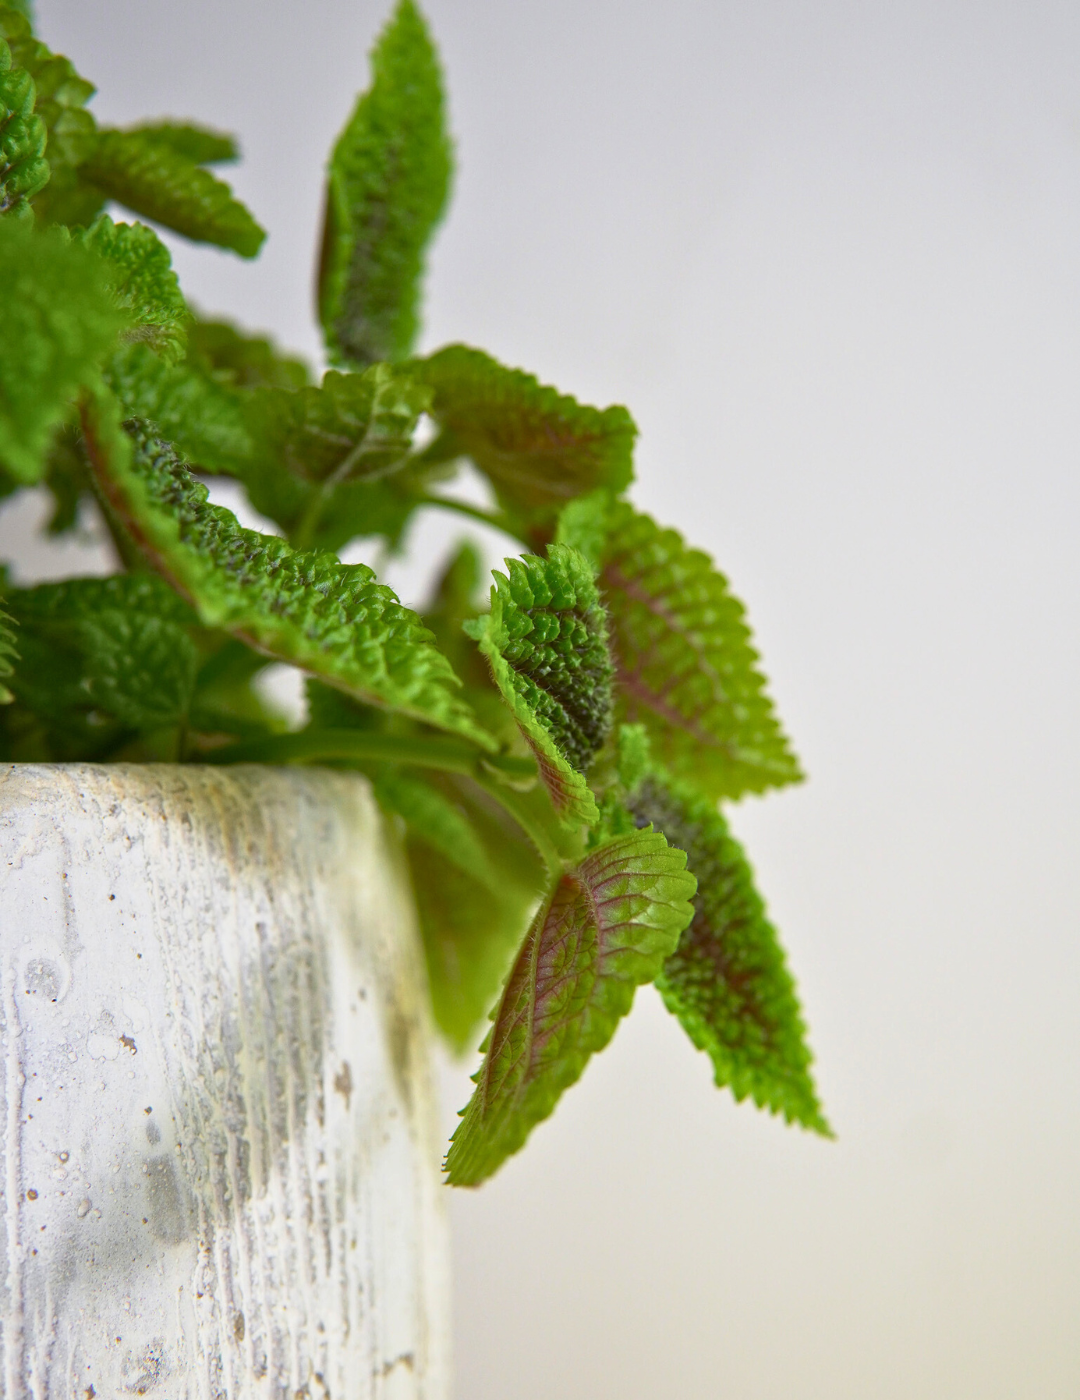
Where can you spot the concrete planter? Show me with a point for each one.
(218, 1147)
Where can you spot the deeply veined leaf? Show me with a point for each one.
(102, 657)
(546, 642)
(352, 425)
(140, 275)
(8, 655)
(71, 130)
(539, 448)
(58, 324)
(23, 167)
(685, 665)
(387, 186)
(245, 361)
(609, 925)
(332, 620)
(727, 980)
(158, 182)
(200, 144)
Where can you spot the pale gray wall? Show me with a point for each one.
(829, 255)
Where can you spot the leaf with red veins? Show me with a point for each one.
(608, 926)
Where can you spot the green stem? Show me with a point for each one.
(450, 755)
(497, 522)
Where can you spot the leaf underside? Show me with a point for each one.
(332, 620)
(388, 183)
(727, 980)
(546, 641)
(685, 665)
(608, 927)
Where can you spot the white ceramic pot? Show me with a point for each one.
(218, 1146)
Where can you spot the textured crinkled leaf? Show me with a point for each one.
(684, 662)
(387, 186)
(200, 144)
(546, 641)
(332, 620)
(101, 658)
(245, 361)
(727, 980)
(71, 131)
(539, 448)
(159, 183)
(58, 324)
(144, 285)
(8, 655)
(608, 926)
(292, 450)
(23, 167)
(204, 417)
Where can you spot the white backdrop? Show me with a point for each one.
(829, 255)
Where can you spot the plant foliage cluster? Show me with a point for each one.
(553, 757)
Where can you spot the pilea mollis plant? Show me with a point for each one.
(554, 758)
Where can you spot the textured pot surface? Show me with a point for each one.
(218, 1147)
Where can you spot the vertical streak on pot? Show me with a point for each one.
(221, 1175)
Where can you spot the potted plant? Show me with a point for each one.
(548, 763)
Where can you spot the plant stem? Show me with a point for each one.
(450, 755)
(497, 522)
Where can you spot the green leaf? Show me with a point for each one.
(471, 919)
(139, 273)
(320, 462)
(684, 662)
(159, 183)
(203, 416)
(353, 427)
(455, 603)
(200, 144)
(23, 167)
(332, 620)
(387, 187)
(71, 131)
(608, 926)
(58, 325)
(727, 981)
(101, 658)
(546, 641)
(245, 361)
(8, 655)
(539, 448)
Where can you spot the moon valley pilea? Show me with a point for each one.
(555, 760)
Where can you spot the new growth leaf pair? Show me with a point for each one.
(553, 760)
